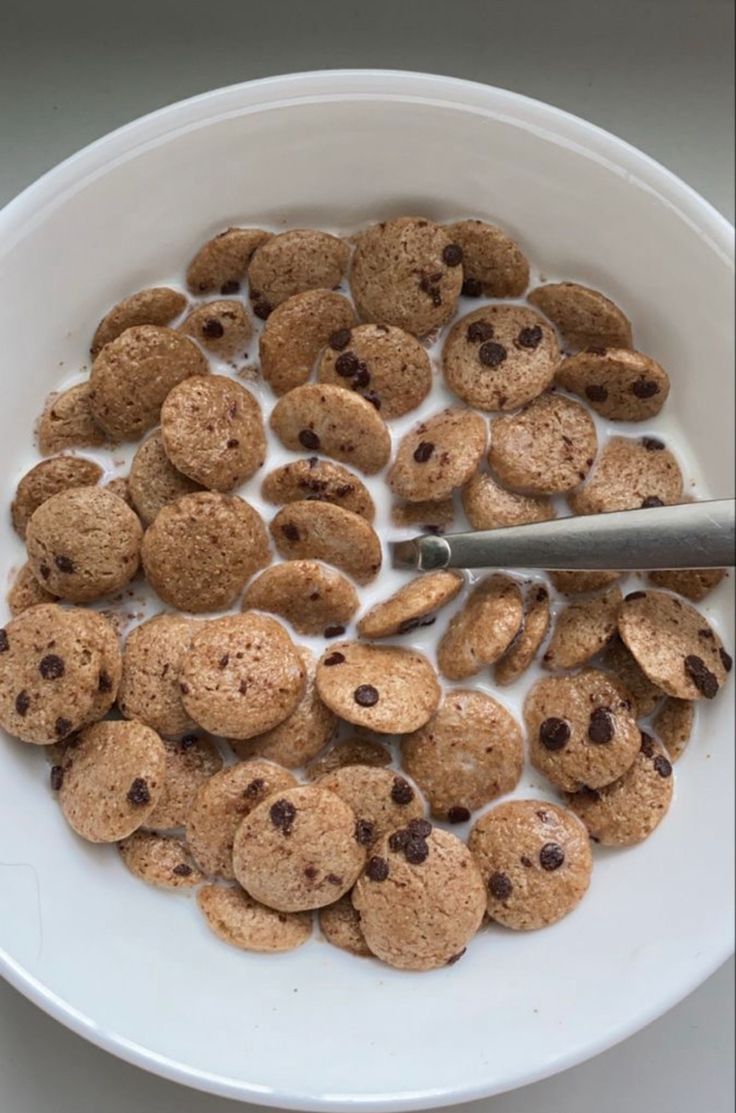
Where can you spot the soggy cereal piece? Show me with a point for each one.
(381, 799)
(493, 264)
(322, 531)
(67, 422)
(158, 305)
(149, 690)
(487, 505)
(321, 480)
(59, 473)
(159, 860)
(190, 762)
(313, 597)
(351, 751)
(221, 264)
(500, 356)
(483, 630)
(340, 925)
(618, 660)
(535, 860)
(200, 551)
(293, 262)
(581, 729)
(578, 583)
(297, 331)
(329, 419)
(413, 605)
(242, 922)
(694, 583)
(629, 474)
(298, 850)
(26, 591)
(523, 649)
(586, 318)
(583, 629)
(429, 516)
(618, 384)
(384, 688)
(438, 455)
(388, 366)
(546, 448)
(154, 482)
(673, 725)
(407, 273)
(221, 327)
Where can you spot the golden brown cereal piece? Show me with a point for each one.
(159, 860)
(469, 753)
(157, 305)
(311, 596)
(102, 634)
(438, 455)
(112, 780)
(493, 264)
(189, 763)
(581, 729)
(329, 419)
(407, 273)
(60, 473)
(298, 849)
(629, 474)
(222, 327)
(241, 921)
(381, 799)
(200, 551)
(149, 691)
(340, 925)
(351, 751)
(546, 448)
(535, 860)
(67, 422)
(421, 898)
(674, 644)
(221, 264)
(487, 505)
(523, 649)
(431, 517)
(293, 262)
(577, 583)
(27, 592)
(618, 659)
(618, 384)
(119, 487)
(322, 531)
(586, 318)
(413, 605)
(154, 482)
(297, 331)
(386, 365)
(321, 480)
(483, 630)
(500, 356)
(384, 688)
(673, 725)
(84, 543)
(582, 629)
(693, 583)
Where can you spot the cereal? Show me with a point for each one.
(67, 422)
(547, 448)
(629, 474)
(483, 630)
(381, 799)
(351, 751)
(293, 262)
(159, 860)
(578, 583)
(149, 691)
(100, 633)
(190, 762)
(221, 327)
(438, 455)
(694, 583)
(321, 480)
(158, 305)
(673, 725)
(297, 331)
(322, 531)
(489, 506)
(27, 592)
(388, 366)
(329, 419)
(60, 473)
(618, 384)
(582, 629)
(340, 925)
(618, 660)
(431, 517)
(493, 264)
(585, 317)
(154, 482)
(413, 605)
(221, 264)
(119, 487)
(311, 596)
(523, 649)
(242, 922)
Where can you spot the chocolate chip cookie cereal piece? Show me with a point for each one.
(421, 898)
(673, 725)
(221, 263)
(618, 384)
(582, 629)
(159, 860)
(431, 517)
(581, 729)
(313, 597)
(694, 583)
(468, 753)
(438, 455)
(100, 632)
(293, 262)
(152, 657)
(60, 473)
(200, 551)
(340, 925)
(241, 921)
(119, 487)
(386, 365)
(154, 482)
(350, 751)
(26, 592)
(407, 273)
(67, 422)
(483, 630)
(157, 305)
(674, 645)
(298, 850)
(132, 375)
(578, 583)
(586, 318)
(500, 356)
(112, 780)
(190, 762)
(220, 806)
(382, 799)
(629, 474)
(535, 860)
(297, 331)
(617, 659)
(384, 688)
(308, 531)
(321, 480)
(241, 676)
(546, 448)
(221, 327)
(627, 811)
(335, 421)
(523, 649)
(487, 505)
(84, 543)
(413, 605)
(493, 264)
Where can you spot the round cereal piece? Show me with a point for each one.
(314, 598)
(617, 659)
(159, 860)
(297, 331)
(149, 690)
(100, 632)
(483, 630)
(535, 860)
(469, 753)
(578, 583)
(673, 725)
(674, 644)
(67, 422)
(340, 925)
(190, 762)
(322, 531)
(322, 481)
(26, 592)
(523, 649)
(298, 849)
(629, 474)
(112, 780)
(618, 384)
(500, 356)
(220, 806)
(154, 482)
(158, 305)
(221, 327)
(384, 688)
(406, 273)
(431, 517)
(694, 583)
(241, 921)
(411, 606)
(546, 448)
(351, 751)
(132, 375)
(242, 675)
(382, 799)
(582, 629)
(581, 729)
(628, 810)
(586, 318)
(421, 898)
(293, 262)
(334, 421)
(60, 473)
(221, 263)
(493, 264)
(438, 455)
(119, 487)
(487, 505)
(386, 365)
(84, 543)
(200, 551)
(212, 431)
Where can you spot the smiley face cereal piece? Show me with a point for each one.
(483, 630)
(321, 531)
(320, 417)
(421, 898)
(149, 691)
(242, 922)
(582, 629)
(585, 317)
(321, 480)
(221, 327)
(535, 860)
(630, 474)
(618, 384)
(581, 729)
(27, 592)
(493, 264)
(413, 605)
(694, 583)
(578, 583)
(190, 762)
(159, 860)
(438, 455)
(340, 925)
(487, 505)
(157, 305)
(382, 799)
(60, 473)
(351, 751)
(154, 482)
(221, 263)
(388, 366)
(547, 448)
(67, 422)
(523, 649)
(292, 262)
(673, 725)
(297, 331)
(313, 597)
(618, 660)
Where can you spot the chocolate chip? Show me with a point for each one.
(309, 439)
(601, 728)
(347, 365)
(233, 442)
(4, 643)
(365, 695)
(333, 879)
(650, 502)
(492, 354)
(398, 839)
(334, 631)
(333, 659)
(423, 451)
(551, 856)
(212, 329)
(283, 814)
(416, 850)
(726, 659)
(407, 625)
(361, 378)
(290, 532)
(45, 571)
(527, 862)
(182, 870)
(428, 285)
(310, 872)
(255, 788)
(652, 444)
(52, 667)
(64, 564)
(62, 727)
(339, 339)
(243, 687)
(22, 703)
(456, 958)
(420, 827)
(56, 777)
(452, 255)
(478, 331)
(364, 832)
(224, 661)
(471, 288)
(344, 489)
(662, 765)
(372, 397)
(554, 734)
(377, 869)
(138, 793)
(104, 682)
(596, 393)
(401, 791)
(647, 744)
(704, 680)
(232, 286)
(458, 814)
(635, 595)
(500, 886)
(262, 309)
(530, 338)
(645, 388)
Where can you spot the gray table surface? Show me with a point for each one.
(657, 72)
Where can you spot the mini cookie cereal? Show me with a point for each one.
(523, 649)
(159, 860)
(630, 474)
(388, 366)
(673, 725)
(618, 384)
(67, 422)
(483, 630)
(578, 583)
(154, 482)
(60, 473)
(293, 262)
(438, 455)
(493, 264)
(190, 762)
(381, 799)
(242, 922)
(158, 305)
(337, 422)
(309, 531)
(487, 505)
(26, 592)
(102, 634)
(149, 691)
(582, 629)
(313, 597)
(694, 583)
(351, 751)
(340, 925)
(119, 487)
(536, 862)
(221, 263)
(618, 660)
(321, 480)
(431, 517)
(221, 327)
(297, 331)
(547, 448)
(585, 317)
(413, 605)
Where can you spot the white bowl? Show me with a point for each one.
(135, 970)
